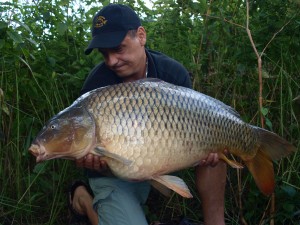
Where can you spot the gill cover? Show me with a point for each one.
(70, 134)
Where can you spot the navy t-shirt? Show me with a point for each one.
(159, 66)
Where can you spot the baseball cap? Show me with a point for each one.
(110, 26)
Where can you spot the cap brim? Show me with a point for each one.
(106, 40)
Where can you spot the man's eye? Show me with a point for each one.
(119, 49)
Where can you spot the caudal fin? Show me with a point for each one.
(271, 147)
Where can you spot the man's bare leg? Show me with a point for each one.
(210, 183)
(83, 204)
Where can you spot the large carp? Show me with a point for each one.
(149, 128)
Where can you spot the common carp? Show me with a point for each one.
(149, 128)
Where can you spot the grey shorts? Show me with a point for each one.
(119, 202)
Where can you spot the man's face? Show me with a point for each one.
(128, 59)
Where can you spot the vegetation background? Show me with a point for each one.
(43, 66)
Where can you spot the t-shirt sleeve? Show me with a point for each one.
(175, 73)
(181, 76)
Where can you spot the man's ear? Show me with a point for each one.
(141, 35)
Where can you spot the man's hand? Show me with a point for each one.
(93, 162)
(212, 159)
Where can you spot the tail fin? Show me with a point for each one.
(271, 147)
(275, 146)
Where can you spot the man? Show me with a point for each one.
(120, 38)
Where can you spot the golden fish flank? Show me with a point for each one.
(149, 128)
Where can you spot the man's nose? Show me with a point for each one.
(111, 59)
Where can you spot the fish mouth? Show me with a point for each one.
(34, 150)
(37, 152)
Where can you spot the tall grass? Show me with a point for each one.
(30, 193)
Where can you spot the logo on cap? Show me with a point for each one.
(100, 21)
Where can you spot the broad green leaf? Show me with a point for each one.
(64, 2)
(51, 61)
(264, 111)
(2, 43)
(15, 36)
(289, 190)
(32, 41)
(265, 74)
(46, 16)
(3, 25)
(54, 74)
(23, 25)
(269, 123)
(62, 28)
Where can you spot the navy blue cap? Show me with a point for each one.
(110, 26)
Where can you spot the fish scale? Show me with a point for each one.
(187, 114)
(149, 128)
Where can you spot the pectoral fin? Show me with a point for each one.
(103, 152)
(174, 183)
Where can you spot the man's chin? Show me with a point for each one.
(122, 74)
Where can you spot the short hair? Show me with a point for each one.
(132, 33)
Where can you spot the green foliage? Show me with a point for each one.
(43, 66)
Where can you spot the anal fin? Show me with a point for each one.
(161, 188)
(174, 183)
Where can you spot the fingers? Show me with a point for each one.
(80, 162)
(212, 159)
(98, 164)
(92, 162)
